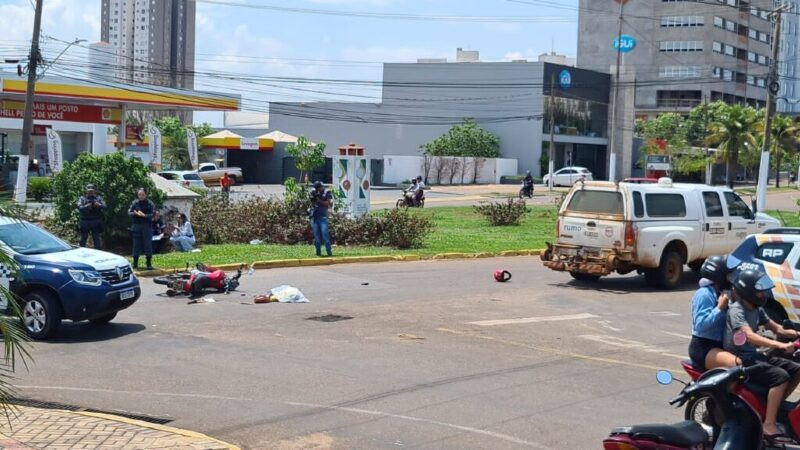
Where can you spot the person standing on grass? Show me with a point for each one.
(322, 200)
(141, 213)
(91, 207)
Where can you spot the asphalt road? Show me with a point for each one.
(416, 365)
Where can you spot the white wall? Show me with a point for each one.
(397, 169)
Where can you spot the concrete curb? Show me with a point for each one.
(287, 263)
(153, 426)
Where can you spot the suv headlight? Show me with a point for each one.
(87, 277)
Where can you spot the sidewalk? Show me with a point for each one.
(34, 428)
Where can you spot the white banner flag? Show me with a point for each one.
(54, 150)
(21, 191)
(191, 143)
(154, 144)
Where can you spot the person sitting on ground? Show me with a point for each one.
(420, 190)
(160, 238)
(746, 314)
(183, 235)
(709, 312)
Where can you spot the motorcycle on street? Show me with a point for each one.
(526, 190)
(194, 283)
(408, 201)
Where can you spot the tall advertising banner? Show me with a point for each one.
(21, 190)
(351, 181)
(191, 143)
(54, 150)
(154, 146)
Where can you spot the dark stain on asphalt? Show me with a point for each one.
(329, 318)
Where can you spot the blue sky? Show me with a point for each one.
(251, 41)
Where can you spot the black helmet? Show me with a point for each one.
(318, 184)
(715, 269)
(749, 283)
(91, 187)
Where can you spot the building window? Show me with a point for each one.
(681, 46)
(682, 21)
(680, 72)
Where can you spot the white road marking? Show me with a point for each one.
(491, 323)
(664, 313)
(369, 412)
(684, 336)
(626, 343)
(607, 324)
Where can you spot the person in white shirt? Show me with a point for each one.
(183, 235)
(420, 190)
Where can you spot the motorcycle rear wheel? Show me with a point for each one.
(401, 204)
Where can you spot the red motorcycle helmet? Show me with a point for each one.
(501, 275)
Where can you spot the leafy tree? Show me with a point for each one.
(665, 133)
(176, 147)
(307, 155)
(117, 178)
(785, 137)
(699, 120)
(733, 131)
(464, 140)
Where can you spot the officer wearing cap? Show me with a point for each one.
(92, 209)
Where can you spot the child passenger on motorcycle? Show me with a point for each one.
(746, 314)
(709, 311)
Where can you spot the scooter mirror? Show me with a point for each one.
(739, 338)
(664, 377)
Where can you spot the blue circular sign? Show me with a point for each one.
(565, 79)
(624, 43)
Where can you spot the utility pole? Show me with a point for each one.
(612, 139)
(551, 165)
(772, 90)
(27, 123)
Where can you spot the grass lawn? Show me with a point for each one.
(752, 190)
(458, 229)
(788, 219)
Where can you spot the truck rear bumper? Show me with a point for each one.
(593, 261)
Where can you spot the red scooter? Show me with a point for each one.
(702, 409)
(740, 429)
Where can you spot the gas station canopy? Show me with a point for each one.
(73, 100)
(231, 141)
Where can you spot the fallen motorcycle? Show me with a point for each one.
(196, 282)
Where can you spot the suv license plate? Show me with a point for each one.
(125, 295)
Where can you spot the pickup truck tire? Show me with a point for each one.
(103, 319)
(669, 271)
(41, 314)
(584, 276)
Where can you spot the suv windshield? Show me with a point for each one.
(598, 202)
(28, 239)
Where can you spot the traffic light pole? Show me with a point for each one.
(772, 90)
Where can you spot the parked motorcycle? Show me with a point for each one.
(194, 283)
(526, 190)
(739, 426)
(407, 201)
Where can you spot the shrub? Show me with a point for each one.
(117, 178)
(510, 212)
(40, 188)
(286, 222)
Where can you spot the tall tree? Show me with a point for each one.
(465, 140)
(785, 137)
(733, 131)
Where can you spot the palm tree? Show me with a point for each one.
(785, 136)
(735, 128)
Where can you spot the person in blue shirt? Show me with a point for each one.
(322, 199)
(709, 314)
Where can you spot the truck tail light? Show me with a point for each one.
(630, 235)
(558, 228)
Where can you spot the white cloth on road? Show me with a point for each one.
(289, 294)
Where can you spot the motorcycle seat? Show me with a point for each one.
(682, 434)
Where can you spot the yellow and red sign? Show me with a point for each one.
(61, 112)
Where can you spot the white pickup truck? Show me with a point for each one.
(654, 229)
(211, 174)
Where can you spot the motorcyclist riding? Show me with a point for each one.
(411, 192)
(527, 183)
(420, 194)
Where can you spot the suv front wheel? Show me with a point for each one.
(41, 314)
